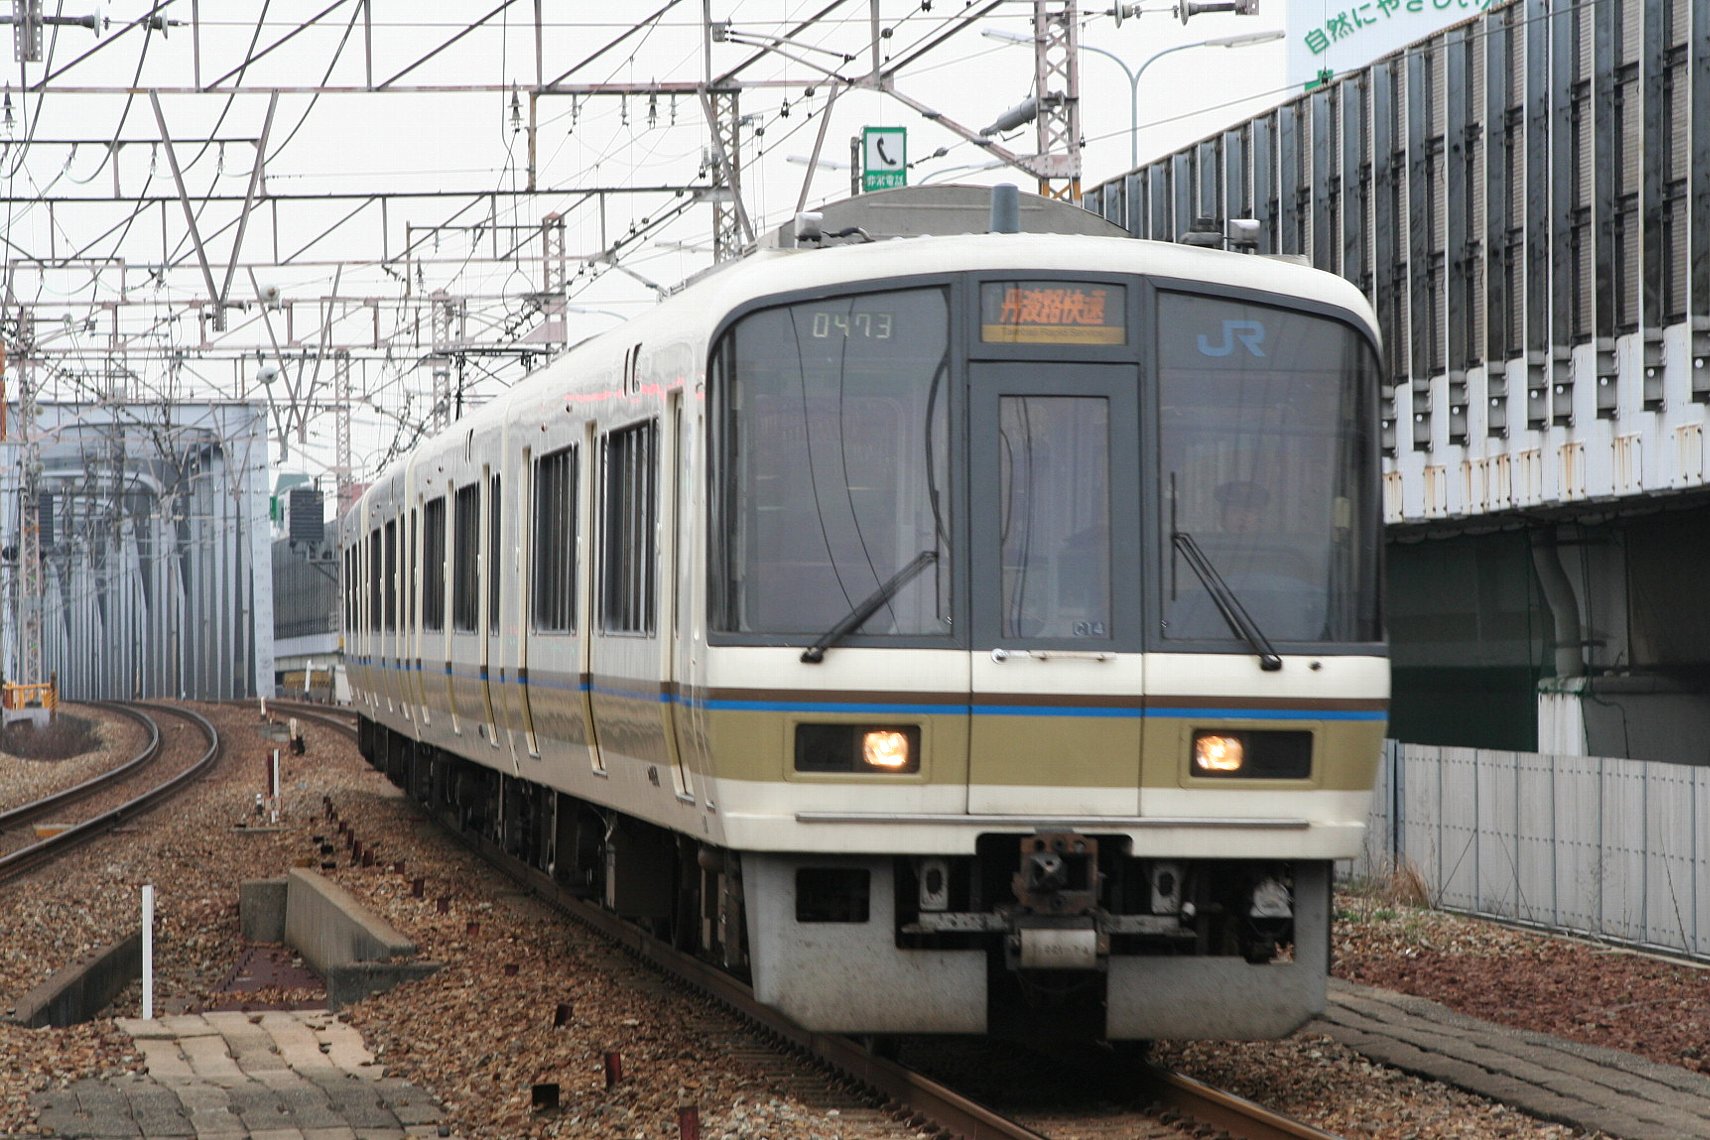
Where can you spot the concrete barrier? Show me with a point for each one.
(356, 951)
(261, 910)
(79, 992)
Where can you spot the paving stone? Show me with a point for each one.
(253, 1048)
(164, 1061)
(298, 1044)
(258, 1107)
(162, 1121)
(344, 1047)
(358, 1107)
(413, 1107)
(309, 1109)
(211, 1061)
(1578, 1085)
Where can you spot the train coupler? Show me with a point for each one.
(1059, 873)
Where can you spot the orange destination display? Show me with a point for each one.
(1052, 312)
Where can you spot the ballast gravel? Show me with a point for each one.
(480, 1034)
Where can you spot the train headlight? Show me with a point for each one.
(1251, 754)
(1218, 753)
(879, 749)
(886, 749)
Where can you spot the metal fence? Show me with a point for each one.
(1615, 849)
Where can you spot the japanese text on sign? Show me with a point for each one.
(1052, 313)
(1341, 25)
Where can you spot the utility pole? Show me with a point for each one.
(1057, 82)
(28, 621)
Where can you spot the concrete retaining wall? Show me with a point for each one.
(356, 951)
(78, 992)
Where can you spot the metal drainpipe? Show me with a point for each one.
(1564, 605)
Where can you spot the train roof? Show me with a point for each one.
(1063, 239)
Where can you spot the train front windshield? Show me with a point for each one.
(833, 447)
(858, 454)
(1265, 473)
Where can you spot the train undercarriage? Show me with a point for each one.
(1046, 936)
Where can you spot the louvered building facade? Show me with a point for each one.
(1525, 198)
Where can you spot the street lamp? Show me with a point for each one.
(1245, 39)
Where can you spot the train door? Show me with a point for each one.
(680, 461)
(528, 523)
(492, 695)
(1055, 594)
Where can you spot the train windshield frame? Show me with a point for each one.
(841, 467)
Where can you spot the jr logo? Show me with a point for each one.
(1251, 334)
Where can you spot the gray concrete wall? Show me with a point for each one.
(79, 992)
(261, 909)
(356, 951)
(329, 928)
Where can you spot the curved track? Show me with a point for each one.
(1174, 1104)
(26, 859)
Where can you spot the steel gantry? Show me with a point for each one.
(385, 214)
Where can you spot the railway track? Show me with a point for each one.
(1166, 1104)
(23, 859)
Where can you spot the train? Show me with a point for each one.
(952, 617)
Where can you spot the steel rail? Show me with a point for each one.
(48, 804)
(1234, 1115)
(913, 1096)
(29, 858)
(333, 716)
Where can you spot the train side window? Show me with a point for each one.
(374, 579)
(390, 582)
(465, 524)
(433, 564)
(628, 541)
(554, 545)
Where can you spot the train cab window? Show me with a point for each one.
(830, 456)
(433, 564)
(553, 606)
(630, 506)
(465, 526)
(1054, 495)
(1266, 449)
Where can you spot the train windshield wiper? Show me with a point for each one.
(1240, 621)
(867, 607)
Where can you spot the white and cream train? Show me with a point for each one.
(957, 634)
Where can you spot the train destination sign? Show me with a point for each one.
(1052, 312)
